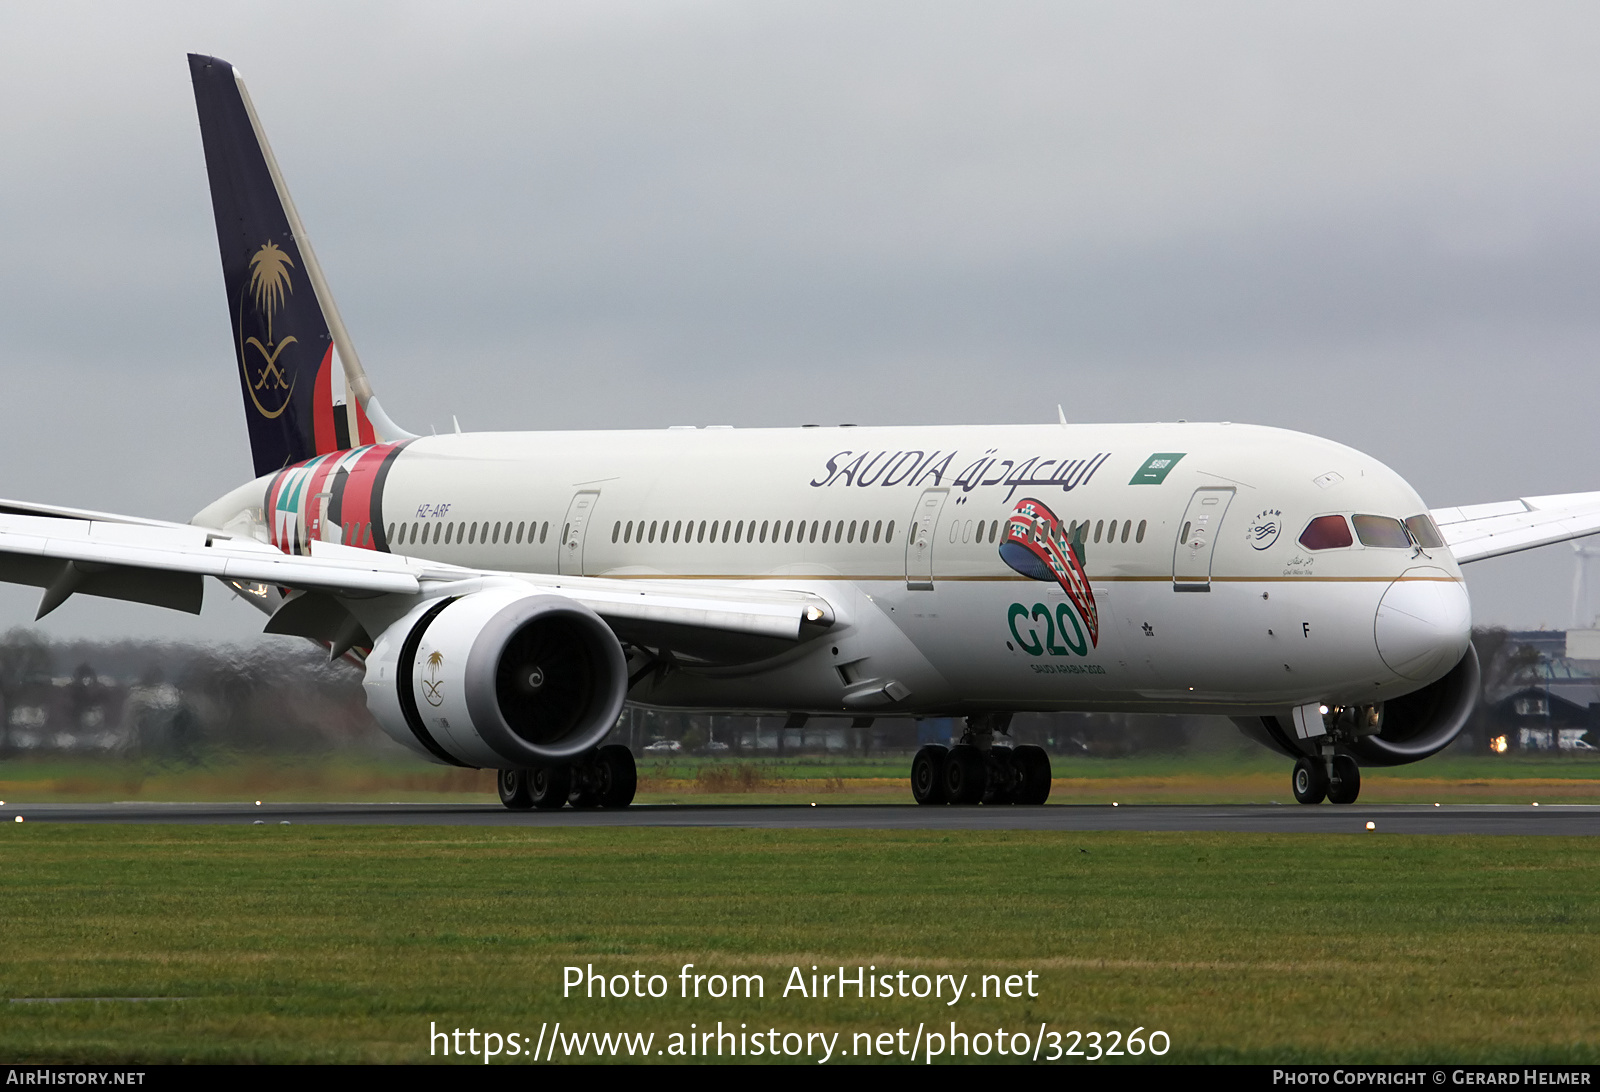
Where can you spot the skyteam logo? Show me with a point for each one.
(1036, 546)
(1265, 528)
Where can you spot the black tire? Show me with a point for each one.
(513, 785)
(1346, 783)
(1310, 781)
(1002, 785)
(549, 786)
(966, 775)
(619, 777)
(927, 775)
(1033, 774)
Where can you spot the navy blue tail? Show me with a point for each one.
(281, 338)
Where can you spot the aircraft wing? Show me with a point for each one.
(1476, 531)
(68, 552)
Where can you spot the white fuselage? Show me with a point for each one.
(900, 529)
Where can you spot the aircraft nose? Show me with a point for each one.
(1423, 623)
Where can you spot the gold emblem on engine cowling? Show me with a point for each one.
(431, 683)
(268, 383)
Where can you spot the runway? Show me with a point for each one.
(1494, 819)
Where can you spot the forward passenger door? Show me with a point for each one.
(1197, 539)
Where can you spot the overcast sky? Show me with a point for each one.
(1375, 222)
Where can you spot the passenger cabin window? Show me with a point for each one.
(1382, 531)
(1423, 530)
(1326, 533)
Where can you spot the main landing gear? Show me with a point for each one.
(1334, 777)
(975, 771)
(602, 778)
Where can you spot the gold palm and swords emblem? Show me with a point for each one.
(431, 683)
(269, 284)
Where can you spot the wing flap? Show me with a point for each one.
(763, 615)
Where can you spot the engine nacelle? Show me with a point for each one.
(1415, 726)
(501, 678)
(1425, 721)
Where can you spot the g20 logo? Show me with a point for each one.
(1062, 622)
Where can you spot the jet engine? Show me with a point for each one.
(1408, 728)
(1425, 721)
(499, 678)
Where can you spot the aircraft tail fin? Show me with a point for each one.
(286, 327)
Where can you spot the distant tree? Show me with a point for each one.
(25, 657)
(1504, 664)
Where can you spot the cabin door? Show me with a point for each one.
(919, 540)
(569, 559)
(1197, 539)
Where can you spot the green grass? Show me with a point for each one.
(308, 943)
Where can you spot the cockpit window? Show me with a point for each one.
(1423, 530)
(1326, 533)
(1384, 531)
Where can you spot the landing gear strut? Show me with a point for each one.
(1331, 773)
(603, 778)
(975, 771)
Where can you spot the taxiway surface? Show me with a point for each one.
(1565, 819)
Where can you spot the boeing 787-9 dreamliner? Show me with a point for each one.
(508, 593)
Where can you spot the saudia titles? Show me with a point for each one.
(269, 379)
(914, 468)
(1035, 544)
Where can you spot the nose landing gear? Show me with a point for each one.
(1335, 778)
(1331, 773)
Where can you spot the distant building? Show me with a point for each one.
(1559, 708)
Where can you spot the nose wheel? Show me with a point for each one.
(1337, 781)
(1310, 781)
(1345, 785)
